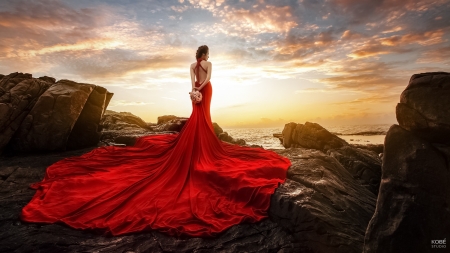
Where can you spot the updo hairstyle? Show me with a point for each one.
(201, 50)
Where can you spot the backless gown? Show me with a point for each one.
(189, 183)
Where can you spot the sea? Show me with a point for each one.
(353, 134)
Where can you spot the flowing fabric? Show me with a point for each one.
(188, 183)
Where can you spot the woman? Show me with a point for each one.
(189, 183)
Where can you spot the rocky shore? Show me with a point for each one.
(337, 197)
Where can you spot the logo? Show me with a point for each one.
(438, 244)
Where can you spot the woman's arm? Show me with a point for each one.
(208, 76)
(192, 77)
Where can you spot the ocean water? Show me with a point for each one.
(353, 134)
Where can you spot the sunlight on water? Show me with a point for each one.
(353, 134)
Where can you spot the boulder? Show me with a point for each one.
(174, 124)
(48, 79)
(87, 131)
(413, 203)
(412, 212)
(49, 123)
(225, 137)
(123, 127)
(310, 135)
(321, 205)
(8, 82)
(424, 106)
(165, 118)
(19, 93)
(217, 129)
(363, 164)
(112, 120)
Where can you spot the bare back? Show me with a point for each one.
(202, 74)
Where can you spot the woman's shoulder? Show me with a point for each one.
(205, 63)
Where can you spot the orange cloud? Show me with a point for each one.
(268, 19)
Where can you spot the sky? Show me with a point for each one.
(332, 62)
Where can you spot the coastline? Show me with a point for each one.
(353, 134)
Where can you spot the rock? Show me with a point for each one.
(48, 79)
(377, 148)
(8, 82)
(321, 205)
(287, 133)
(1, 76)
(165, 118)
(225, 137)
(87, 131)
(19, 95)
(414, 198)
(112, 120)
(123, 127)
(363, 164)
(217, 129)
(310, 135)
(424, 106)
(175, 124)
(49, 123)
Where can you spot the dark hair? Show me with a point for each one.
(201, 50)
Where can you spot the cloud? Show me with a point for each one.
(376, 98)
(435, 55)
(115, 103)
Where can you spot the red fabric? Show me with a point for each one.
(189, 183)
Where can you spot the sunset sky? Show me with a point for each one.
(333, 62)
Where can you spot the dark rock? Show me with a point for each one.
(165, 118)
(310, 135)
(19, 95)
(425, 105)
(225, 137)
(363, 164)
(175, 124)
(414, 199)
(49, 123)
(112, 120)
(287, 133)
(217, 129)
(86, 131)
(321, 205)
(48, 79)
(377, 148)
(8, 82)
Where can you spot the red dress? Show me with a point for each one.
(189, 183)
